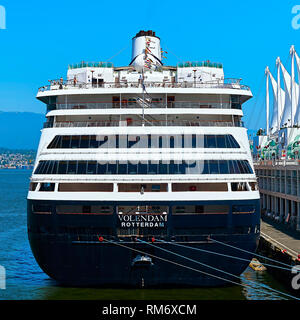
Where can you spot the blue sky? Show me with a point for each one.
(43, 37)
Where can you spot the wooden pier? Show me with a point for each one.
(283, 246)
(281, 241)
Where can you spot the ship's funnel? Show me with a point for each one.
(146, 51)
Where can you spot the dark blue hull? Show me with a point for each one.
(88, 250)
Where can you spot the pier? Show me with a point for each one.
(283, 245)
(283, 242)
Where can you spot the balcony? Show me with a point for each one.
(61, 84)
(137, 123)
(139, 104)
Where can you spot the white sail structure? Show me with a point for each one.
(286, 118)
(274, 123)
(278, 100)
(267, 98)
(294, 86)
(297, 114)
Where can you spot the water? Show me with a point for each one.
(25, 280)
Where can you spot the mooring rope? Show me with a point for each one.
(255, 254)
(175, 263)
(193, 269)
(217, 269)
(221, 254)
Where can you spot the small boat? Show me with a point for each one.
(256, 265)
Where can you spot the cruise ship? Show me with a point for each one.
(276, 149)
(144, 175)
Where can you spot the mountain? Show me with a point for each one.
(20, 130)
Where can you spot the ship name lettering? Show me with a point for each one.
(142, 224)
(143, 221)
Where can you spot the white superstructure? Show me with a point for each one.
(144, 132)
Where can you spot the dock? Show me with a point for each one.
(281, 241)
(282, 245)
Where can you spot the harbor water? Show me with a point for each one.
(25, 280)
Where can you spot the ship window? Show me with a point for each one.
(99, 168)
(32, 186)
(136, 187)
(173, 167)
(38, 170)
(146, 167)
(75, 142)
(204, 167)
(160, 141)
(112, 168)
(65, 143)
(51, 167)
(46, 167)
(85, 142)
(239, 186)
(241, 230)
(233, 168)
(232, 143)
(72, 167)
(253, 186)
(142, 168)
(93, 142)
(62, 167)
(200, 209)
(54, 143)
(81, 167)
(172, 142)
(194, 139)
(46, 186)
(243, 209)
(86, 209)
(92, 167)
(79, 209)
(154, 141)
(85, 187)
(236, 102)
(132, 168)
(55, 167)
(163, 168)
(213, 166)
(202, 187)
(210, 141)
(220, 141)
(41, 208)
(223, 165)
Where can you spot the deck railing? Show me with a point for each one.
(137, 104)
(61, 84)
(134, 123)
